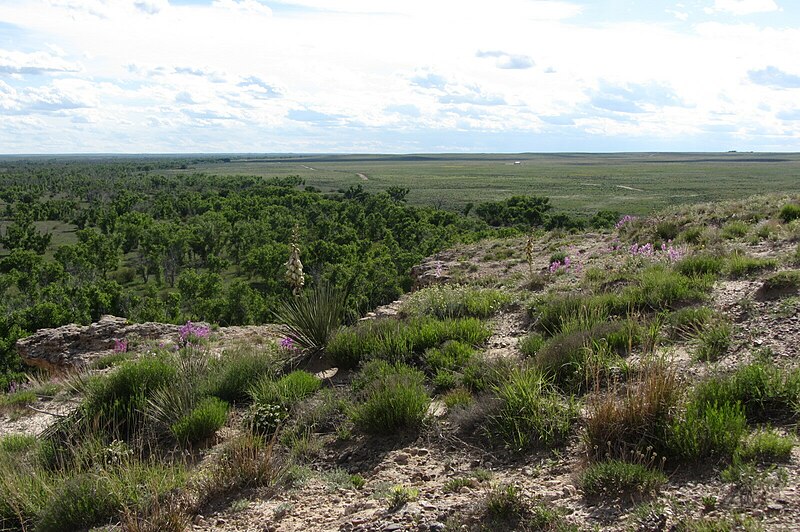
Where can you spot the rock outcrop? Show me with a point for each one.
(73, 346)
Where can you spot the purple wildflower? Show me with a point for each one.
(624, 220)
(120, 345)
(438, 268)
(287, 344)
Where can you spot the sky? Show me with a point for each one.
(412, 76)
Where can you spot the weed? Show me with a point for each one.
(689, 322)
(740, 265)
(700, 264)
(735, 229)
(505, 503)
(399, 496)
(617, 477)
(108, 361)
(84, 501)
(782, 282)
(454, 485)
(17, 443)
(751, 480)
(452, 355)
(667, 231)
(531, 344)
(457, 398)
(236, 370)
(709, 503)
(286, 391)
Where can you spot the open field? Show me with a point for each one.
(580, 183)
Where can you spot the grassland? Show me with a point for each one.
(636, 183)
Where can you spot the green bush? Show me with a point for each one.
(393, 398)
(115, 402)
(202, 422)
(458, 397)
(232, 375)
(667, 230)
(531, 412)
(449, 302)
(399, 341)
(286, 391)
(691, 235)
(82, 502)
(659, 288)
(766, 446)
(450, 356)
(707, 430)
(505, 503)
(785, 281)
(714, 341)
(735, 229)
(740, 265)
(700, 264)
(17, 443)
(616, 478)
(531, 344)
(790, 212)
(766, 392)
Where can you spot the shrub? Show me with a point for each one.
(714, 341)
(505, 503)
(691, 235)
(766, 446)
(18, 400)
(84, 501)
(559, 313)
(393, 398)
(700, 264)
(667, 230)
(202, 422)
(789, 212)
(659, 288)
(232, 375)
(265, 418)
(448, 302)
(481, 374)
(707, 430)
(531, 412)
(459, 397)
(313, 318)
(617, 478)
(399, 496)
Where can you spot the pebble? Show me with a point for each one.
(401, 458)
(436, 526)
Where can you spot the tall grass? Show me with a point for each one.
(448, 302)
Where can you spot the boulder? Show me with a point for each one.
(73, 346)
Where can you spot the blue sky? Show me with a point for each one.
(172, 76)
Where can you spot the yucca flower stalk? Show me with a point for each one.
(294, 268)
(529, 253)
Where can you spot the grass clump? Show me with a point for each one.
(617, 477)
(17, 443)
(202, 422)
(393, 398)
(82, 502)
(399, 496)
(789, 212)
(237, 370)
(635, 421)
(505, 503)
(452, 355)
(531, 412)
(765, 391)
(401, 341)
(286, 391)
(449, 302)
(740, 265)
(735, 229)
(782, 282)
(714, 341)
(458, 398)
(700, 264)
(689, 322)
(531, 344)
(707, 430)
(766, 446)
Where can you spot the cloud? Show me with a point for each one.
(558, 120)
(472, 98)
(792, 115)
(680, 15)
(633, 98)
(742, 7)
(265, 90)
(12, 62)
(247, 6)
(775, 78)
(506, 60)
(429, 81)
(151, 7)
(403, 109)
(214, 77)
(184, 97)
(308, 115)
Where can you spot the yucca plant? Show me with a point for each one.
(311, 318)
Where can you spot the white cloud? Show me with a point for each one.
(246, 6)
(743, 7)
(13, 62)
